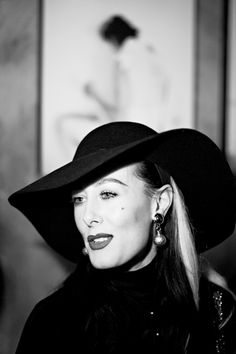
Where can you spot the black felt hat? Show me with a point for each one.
(190, 157)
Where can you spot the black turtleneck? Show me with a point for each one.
(139, 285)
(107, 311)
(123, 308)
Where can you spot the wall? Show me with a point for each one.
(30, 270)
(215, 67)
(231, 97)
(209, 67)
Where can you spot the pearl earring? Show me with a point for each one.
(159, 238)
(85, 251)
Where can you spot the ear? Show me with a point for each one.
(162, 200)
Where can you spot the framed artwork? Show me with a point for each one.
(109, 60)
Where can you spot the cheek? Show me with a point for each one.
(127, 216)
(139, 221)
(78, 221)
(118, 216)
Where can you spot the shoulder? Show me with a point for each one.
(52, 305)
(52, 311)
(67, 299)
(218, 313)
(218, 299)
(56, 321)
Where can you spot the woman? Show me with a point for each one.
(134, 209)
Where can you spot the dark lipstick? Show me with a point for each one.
(99, 241)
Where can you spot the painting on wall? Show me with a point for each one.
(105, 60)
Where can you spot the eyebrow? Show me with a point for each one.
(109, 179)
(101, 181)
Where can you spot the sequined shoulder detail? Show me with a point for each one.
(224, 307)
(220, 338)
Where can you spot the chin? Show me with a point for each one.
(103, 263)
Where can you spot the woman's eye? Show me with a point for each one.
(108, 195)
(78, 200)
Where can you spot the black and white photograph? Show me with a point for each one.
(117, 176)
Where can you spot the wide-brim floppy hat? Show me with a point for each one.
(197, 165)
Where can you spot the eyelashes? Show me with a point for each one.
(104, 195)
(77, 200)
(108, 194)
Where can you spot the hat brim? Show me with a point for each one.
(77, 169)
(193, 160)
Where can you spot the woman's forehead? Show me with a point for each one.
(124, 176)
(127, 173)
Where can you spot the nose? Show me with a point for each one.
(92, 221)
(91, 217)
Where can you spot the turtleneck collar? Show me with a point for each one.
(139, 284)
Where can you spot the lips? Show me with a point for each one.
(99, 241)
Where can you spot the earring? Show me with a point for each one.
(84, 251)
(159, 238)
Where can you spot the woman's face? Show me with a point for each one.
(114, 216)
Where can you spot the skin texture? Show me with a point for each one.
(117, 205)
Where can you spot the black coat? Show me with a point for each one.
(84, 317)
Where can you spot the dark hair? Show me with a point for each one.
(177, 278)
(117, 28)
(155, 177)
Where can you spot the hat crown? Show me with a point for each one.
(111, 136)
